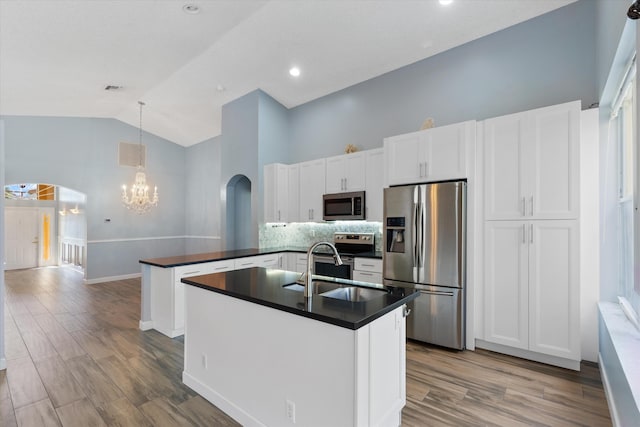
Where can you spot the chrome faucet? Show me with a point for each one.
(308, 281)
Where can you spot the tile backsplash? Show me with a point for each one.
(304, 234)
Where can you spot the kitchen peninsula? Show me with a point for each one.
(266, 355)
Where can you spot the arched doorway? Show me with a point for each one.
(238, 225)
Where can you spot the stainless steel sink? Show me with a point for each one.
(354, 294)
(319, 287)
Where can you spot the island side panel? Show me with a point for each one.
(249, 359)
(387, 364)
(163, 302)
(146, 322)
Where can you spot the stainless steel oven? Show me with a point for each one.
(325, 266)
(348, 245)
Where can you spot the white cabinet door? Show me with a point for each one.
(334, 176)
(443, 151)
(554, 186)
(531, 164)
(504, 164)
(554, 288)
(506, 308)
(403, 164)
(374, 184)
(293, 178)
(532, 292)
(312, 181)
(276, 192)
(431, 155)
(345, 173)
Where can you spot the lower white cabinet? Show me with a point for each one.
(267, 261)
(531, 286)
(367, 270)
(167, 293)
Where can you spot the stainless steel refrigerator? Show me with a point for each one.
(424, 249)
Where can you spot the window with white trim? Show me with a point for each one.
(623, 125)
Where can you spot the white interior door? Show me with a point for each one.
(21, 238)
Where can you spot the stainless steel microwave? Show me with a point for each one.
(343, 206)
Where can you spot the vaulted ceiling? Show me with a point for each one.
(57, 56)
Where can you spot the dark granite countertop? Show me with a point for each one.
(179, 260)
(266, 287)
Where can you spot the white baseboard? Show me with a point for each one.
(613, 411)
(3, 363)
(111, 278)
(171, 333)
(220, 401)
(529, 355)
(145, 325)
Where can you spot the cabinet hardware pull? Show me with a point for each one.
(426, 168)
(221, 268)
(531, 205)
(524, 209)
(420, 169)
(530, 233)
(524, 233)
(406, 312)
(278, 214)
(191, 272)
(368, 265)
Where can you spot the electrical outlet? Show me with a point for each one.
(204, 361)
(291, 411)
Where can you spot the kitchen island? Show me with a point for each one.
(162, 302)
(268, 356)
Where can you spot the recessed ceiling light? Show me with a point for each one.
(191, 9)
(446, 2)
(294, 71)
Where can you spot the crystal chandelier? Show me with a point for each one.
(140, 202)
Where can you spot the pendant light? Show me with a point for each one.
(140, 202)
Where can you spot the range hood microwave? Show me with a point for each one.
(343, 206)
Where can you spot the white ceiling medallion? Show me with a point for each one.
(140, 202)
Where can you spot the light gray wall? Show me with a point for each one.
(203, 206)
(541, 62)
(239, 150)
(82, 154)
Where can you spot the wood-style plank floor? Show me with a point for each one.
(75, 357)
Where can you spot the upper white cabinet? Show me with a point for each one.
(312, 180)
(281, 193)
(346, 172)
(374, 184)
(276, 193)
(435, 154)
(531, 164)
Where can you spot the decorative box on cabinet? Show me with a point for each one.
(435, 154)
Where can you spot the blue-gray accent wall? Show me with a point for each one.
(82, 154)
(544, 61)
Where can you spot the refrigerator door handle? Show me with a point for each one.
(414, 232)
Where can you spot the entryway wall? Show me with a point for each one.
(30, 237)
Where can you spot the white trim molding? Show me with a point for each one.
(3, 363)
(139, 239)
(111, 278)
